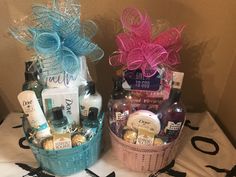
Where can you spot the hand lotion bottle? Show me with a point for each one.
(90, 98)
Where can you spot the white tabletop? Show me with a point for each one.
(189, 160)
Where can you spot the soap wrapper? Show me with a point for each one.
(145, 137)
(66, 97)
(62, 141)
(148, 92)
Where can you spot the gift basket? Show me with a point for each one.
(62, 108)
(145, 112)
(67, 161)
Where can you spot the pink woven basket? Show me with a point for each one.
(142, 158)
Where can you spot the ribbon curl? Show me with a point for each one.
(59, 37)
(137, 49)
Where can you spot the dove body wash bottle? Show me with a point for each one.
(30, 105)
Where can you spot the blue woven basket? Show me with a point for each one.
(69, 161)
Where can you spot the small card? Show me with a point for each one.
(136, 81)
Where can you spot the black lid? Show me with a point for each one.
(30, 76)
(57, 113)
(93, 113)
(117, 81)
(91, 87)
(175, 95)
(118, 91)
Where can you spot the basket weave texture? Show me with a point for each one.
(143, 158)
(69, 161)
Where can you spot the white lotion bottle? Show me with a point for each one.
(36, 118)
(90, 98)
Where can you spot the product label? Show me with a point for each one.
(172, 129)
(66, 97)
(137, 81)
(61, 80)
(145, 137)
(148, 92)
(62, 141)
(146, 125)
(28, 106)
(68, 102)
(121, 116)
(121, 120)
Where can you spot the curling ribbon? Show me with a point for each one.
(57, 32)
(137, 49)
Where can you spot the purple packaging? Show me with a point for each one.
(148, 93)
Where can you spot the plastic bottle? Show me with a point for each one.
(172, 116)
(32, 82)
(92, 120)
(119, 107)
(36, 118)
(90, 98)
(59, 122)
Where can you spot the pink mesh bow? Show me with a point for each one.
(136, 48)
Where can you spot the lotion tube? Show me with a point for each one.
(31, 107)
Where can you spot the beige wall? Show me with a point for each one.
(207, 56)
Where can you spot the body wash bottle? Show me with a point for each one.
(36, 118)
(92, 120)
(172, 112)
(31, 81)
(174, 118)
(59, 122)
(90, 98)
(119, 107)
(60, 129)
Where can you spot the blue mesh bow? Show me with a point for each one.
(58, 37)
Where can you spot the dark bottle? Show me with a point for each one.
(92, 120)
(172, 116)
(59, 122)
(119, 107)
(31, 83)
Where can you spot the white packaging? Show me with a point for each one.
(65, 80)
(36, 118)
(66, 97)
(144, 119)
